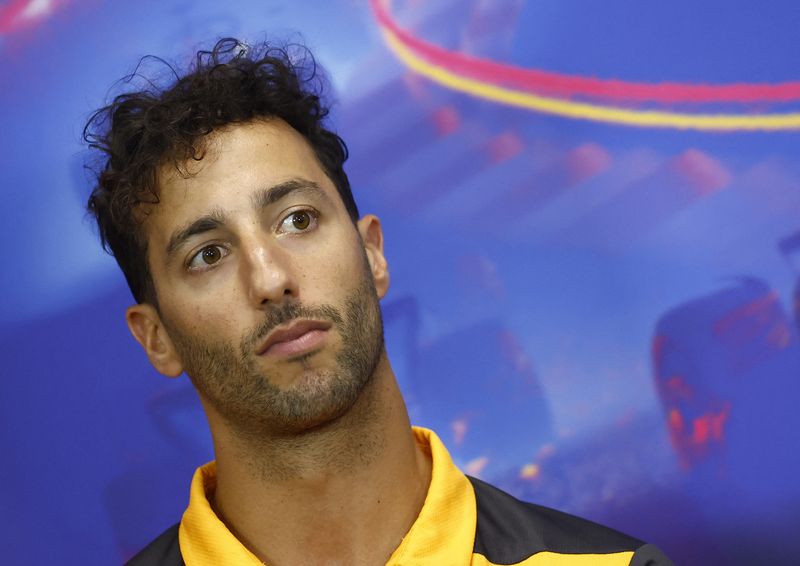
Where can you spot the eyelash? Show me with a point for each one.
(224, 252)
(314, 219)
(313, 215)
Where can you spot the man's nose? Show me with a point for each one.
(268, 274)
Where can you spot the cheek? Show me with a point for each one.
(330, 285)
(208, 321)
(341, 269)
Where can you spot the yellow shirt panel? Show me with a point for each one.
(556, 559)
(443, 533)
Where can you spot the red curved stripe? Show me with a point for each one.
(9, 13)
(537, 81)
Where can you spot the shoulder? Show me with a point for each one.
(510, 531)
(163, 551)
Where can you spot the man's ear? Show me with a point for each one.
(369, 226)
(145, 324)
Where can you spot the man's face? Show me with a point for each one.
(267, 293)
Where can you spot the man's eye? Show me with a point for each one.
(299, 221)
(207, 257)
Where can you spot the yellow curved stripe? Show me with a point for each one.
(585, 111)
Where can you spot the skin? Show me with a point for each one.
(316, 461)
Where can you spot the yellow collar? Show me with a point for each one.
(442, 534)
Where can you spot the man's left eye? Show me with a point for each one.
(299, 221)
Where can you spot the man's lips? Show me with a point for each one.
(296, 338)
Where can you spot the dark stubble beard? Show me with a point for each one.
(247, 397)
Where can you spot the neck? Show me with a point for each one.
(343, 493)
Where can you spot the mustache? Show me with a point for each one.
(286, 313)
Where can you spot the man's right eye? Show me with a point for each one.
(207, 257)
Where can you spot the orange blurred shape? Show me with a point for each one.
(658, 346)
(675, 423)
(678, 387)
(753, 317)
(546, 451)
(416, 85)
(460, 427)
(710, 427)
(446, 120)
(514, 351)
(476, 466)
(780, 336)
(676, 426)
(504, 146)
(530, 471)
(704, 173)
(586, 161)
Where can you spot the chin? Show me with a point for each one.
(312, 400)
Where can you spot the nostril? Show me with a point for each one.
(287, 292)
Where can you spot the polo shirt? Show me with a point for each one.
(463, 521)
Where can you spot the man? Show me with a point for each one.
(224, 201)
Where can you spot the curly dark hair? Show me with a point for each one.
(140, 132)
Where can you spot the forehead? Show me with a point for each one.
(238, 160)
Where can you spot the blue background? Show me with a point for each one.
(594, 317)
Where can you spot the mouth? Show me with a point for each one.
(297, 338)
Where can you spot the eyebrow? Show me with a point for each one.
(261, 199)
(271, 195)
(206, 223)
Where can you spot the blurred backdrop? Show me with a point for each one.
(592, 213)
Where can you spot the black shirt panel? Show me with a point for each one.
(163, 551)
(650, 555)
(510, 530)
